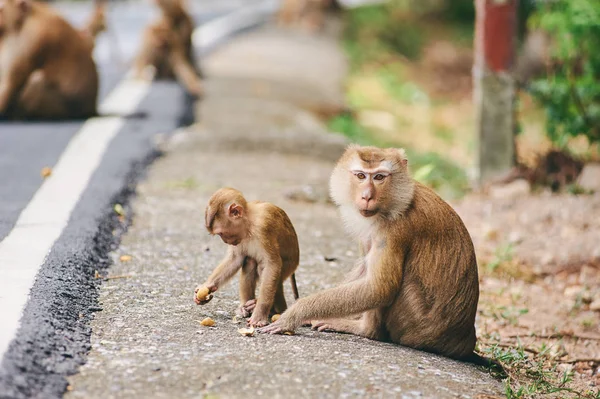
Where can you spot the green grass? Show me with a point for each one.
(530, 373)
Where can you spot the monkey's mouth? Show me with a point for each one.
(368, 213)
(230, 240)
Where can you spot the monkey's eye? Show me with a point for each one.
(379, 177)
(361, 176)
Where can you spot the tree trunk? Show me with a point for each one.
(494, 86)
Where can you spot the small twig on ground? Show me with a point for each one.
(582, 360)
(556, 336)
(119, 276)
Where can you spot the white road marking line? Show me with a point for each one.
(42, 222)
(207, 35)
(24, 250)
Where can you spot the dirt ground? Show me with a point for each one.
(539, 260)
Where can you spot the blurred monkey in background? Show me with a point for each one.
(308, 15)
(167, 50)
(46, 69)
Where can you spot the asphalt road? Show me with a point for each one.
(53, 337)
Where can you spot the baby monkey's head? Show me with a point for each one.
(226, 216)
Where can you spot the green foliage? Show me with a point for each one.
(570, 93)
(502, 254)
(399, 88)
(460, 10)
(349, 127)
(388, 28)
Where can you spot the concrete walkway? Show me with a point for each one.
(258, 134)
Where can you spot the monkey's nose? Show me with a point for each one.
(367, 195)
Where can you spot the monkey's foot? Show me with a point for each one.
(246, 309)
(241, 312)
(256, 321)
(250, 305)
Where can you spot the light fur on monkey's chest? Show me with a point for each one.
(252, 248)
(7, 51)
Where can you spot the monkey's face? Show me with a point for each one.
(369, 179)
(230, 225)
(226, 216)
(367, 188)
(231, 231)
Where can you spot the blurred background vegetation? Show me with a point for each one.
(410, 84)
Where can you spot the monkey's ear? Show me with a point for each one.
(235, 211)
(402, 156)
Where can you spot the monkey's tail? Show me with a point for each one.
(294, 286)
(492, 364)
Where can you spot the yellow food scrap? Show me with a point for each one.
(125, 258)
(46, 171)
(247, 332)
(208, 322)
(275, 317)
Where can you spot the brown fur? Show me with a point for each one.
(417, 285)
(46, 67)
(262, 243)
(96, 24)
(167, 47)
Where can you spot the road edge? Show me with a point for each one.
(48, 379)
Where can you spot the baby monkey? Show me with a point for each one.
(262, 243)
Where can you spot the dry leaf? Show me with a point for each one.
(46, 171)
(275, 317)
(248, 332)
(125, 258)
(96, 274)
(208, 322)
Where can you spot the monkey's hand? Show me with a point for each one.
(203, 293)
(281, 326)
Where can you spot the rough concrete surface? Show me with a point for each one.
(147, 341)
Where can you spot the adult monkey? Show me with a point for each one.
(308, 14)
(167, 48)
(46, 66)
(417, 284)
